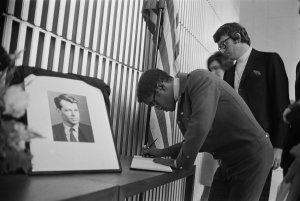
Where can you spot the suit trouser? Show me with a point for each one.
(266, 190)
(244, 180)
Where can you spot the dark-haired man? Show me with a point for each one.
(261, 80)
(70, 129)
(213, 118)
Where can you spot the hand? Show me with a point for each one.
(277, 158)
(285, 113)
(165, 161)
(151, 152)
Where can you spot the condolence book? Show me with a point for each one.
(142, 163)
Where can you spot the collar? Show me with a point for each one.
(245, 56)
(176, 84)
(68, 127)
(182, 82)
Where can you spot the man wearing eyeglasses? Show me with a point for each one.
(213, 118)
(261, 80)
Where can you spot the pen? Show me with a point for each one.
(151, 144)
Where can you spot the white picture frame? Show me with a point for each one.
(55, 156)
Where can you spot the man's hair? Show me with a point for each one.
(231, 29)
(148, 83)
(65, 97)
(222, 59)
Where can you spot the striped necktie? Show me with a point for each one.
(72, 137)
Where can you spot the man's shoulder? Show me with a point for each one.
(265, 54)
(201, 77)
(201, 74)
(199, 71)
(194, 72)
(57, 126)
(84, 126)
(198, 74)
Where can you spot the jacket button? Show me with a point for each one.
(187, 156)
(178, 122)
(180, 168)
(181, 113)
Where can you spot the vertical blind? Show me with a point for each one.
(108, 39)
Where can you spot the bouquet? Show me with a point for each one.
(14, 133)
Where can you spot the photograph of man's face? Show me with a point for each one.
(70, 117)
(69, 113)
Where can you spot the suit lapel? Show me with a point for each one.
(62, 137)
(249, 67)
(81, 136)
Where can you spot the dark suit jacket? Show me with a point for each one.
(85, 133)
(214, 118)
(264, 87)
(297, 83)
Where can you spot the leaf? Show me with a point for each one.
(3, 80)
(12, 68)
(10, 75)
(15, 161)
(17, 134)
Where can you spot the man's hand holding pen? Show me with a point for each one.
(151, 152)
(157, 154)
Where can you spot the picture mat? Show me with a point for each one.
(49, 155)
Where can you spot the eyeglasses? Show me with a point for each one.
(222, 45)
(153, 103)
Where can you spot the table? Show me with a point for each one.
(91, 186)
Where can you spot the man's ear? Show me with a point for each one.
(236, 37)
(160, 86)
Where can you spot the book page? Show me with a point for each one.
(139, 162)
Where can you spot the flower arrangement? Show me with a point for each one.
(14, 133)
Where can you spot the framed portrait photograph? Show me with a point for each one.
(71, 116)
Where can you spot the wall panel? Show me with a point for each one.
(108, 39)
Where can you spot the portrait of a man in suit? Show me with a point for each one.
(70, 128)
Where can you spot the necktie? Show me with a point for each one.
(72, 137)
(237, 76)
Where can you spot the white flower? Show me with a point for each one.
(15, 101)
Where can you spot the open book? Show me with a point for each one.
(139, 162)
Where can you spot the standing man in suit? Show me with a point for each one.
(214, 119)
(70, 129)
(261, 80)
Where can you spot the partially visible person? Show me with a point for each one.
(260, 78)
(291, 116)
(70, 129)
(213, 118)
(288, 189)
(293, 175)
(291, 156)
(217, 63)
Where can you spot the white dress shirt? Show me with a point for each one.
(67, 132)
(240, 67)
(176, 88)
